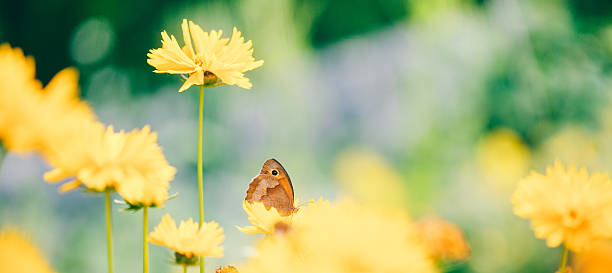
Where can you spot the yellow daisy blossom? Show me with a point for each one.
(443, 239)
(131, 163)
(566, 206)
(343, 238)
(18, 255)
(268, 220)
(263, 220)
(188, 240)
(206, 57)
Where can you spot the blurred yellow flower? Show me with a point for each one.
(18, 99)
(343, 238)
(131, 163)
(502, 157)
(573, 145)
(188, 240)
(566, 206)
(443, 239)
(31, 117)
(263, 220)
(19, 255)
(214, 58)
(369, 178)
(596, 260)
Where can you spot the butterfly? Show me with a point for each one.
(273, 188)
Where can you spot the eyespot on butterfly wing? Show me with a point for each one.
(272, 186)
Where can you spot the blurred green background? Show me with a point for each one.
(457, 99)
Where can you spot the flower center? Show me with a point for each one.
(210, 78)
(182, 259)
(571, 219)
(281, 228)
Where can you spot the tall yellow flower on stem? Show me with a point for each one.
(208, 61)
(189, 240)
(104, 160)
(566, 206)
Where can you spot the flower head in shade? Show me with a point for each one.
(343, 238)
(131, 163)
(566, 206)
(444, 240)
(18, 255)
(206, 58)
(187, 240)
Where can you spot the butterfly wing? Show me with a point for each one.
(283, 177)
(268, 190)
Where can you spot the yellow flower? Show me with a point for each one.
(18, 255)
(596, 260)
(189, 240)
(31, 117)
(263, 220)
(574, 145)
(205, 57)
(566, 206)
(503, 158)
(268, 221)
(343, 238)
(131, 163)
(18, 99)
(368, 177)
(444, 240)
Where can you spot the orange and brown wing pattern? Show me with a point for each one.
(272, 187)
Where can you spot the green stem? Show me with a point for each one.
(563, 259)
(2, 154)
(200, 167)
(184, 268)
(109, 230)
(145, 243)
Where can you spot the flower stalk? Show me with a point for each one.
(563, 259)
(109, 230)
(2, 153)
(200, 167)
(145, 243)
